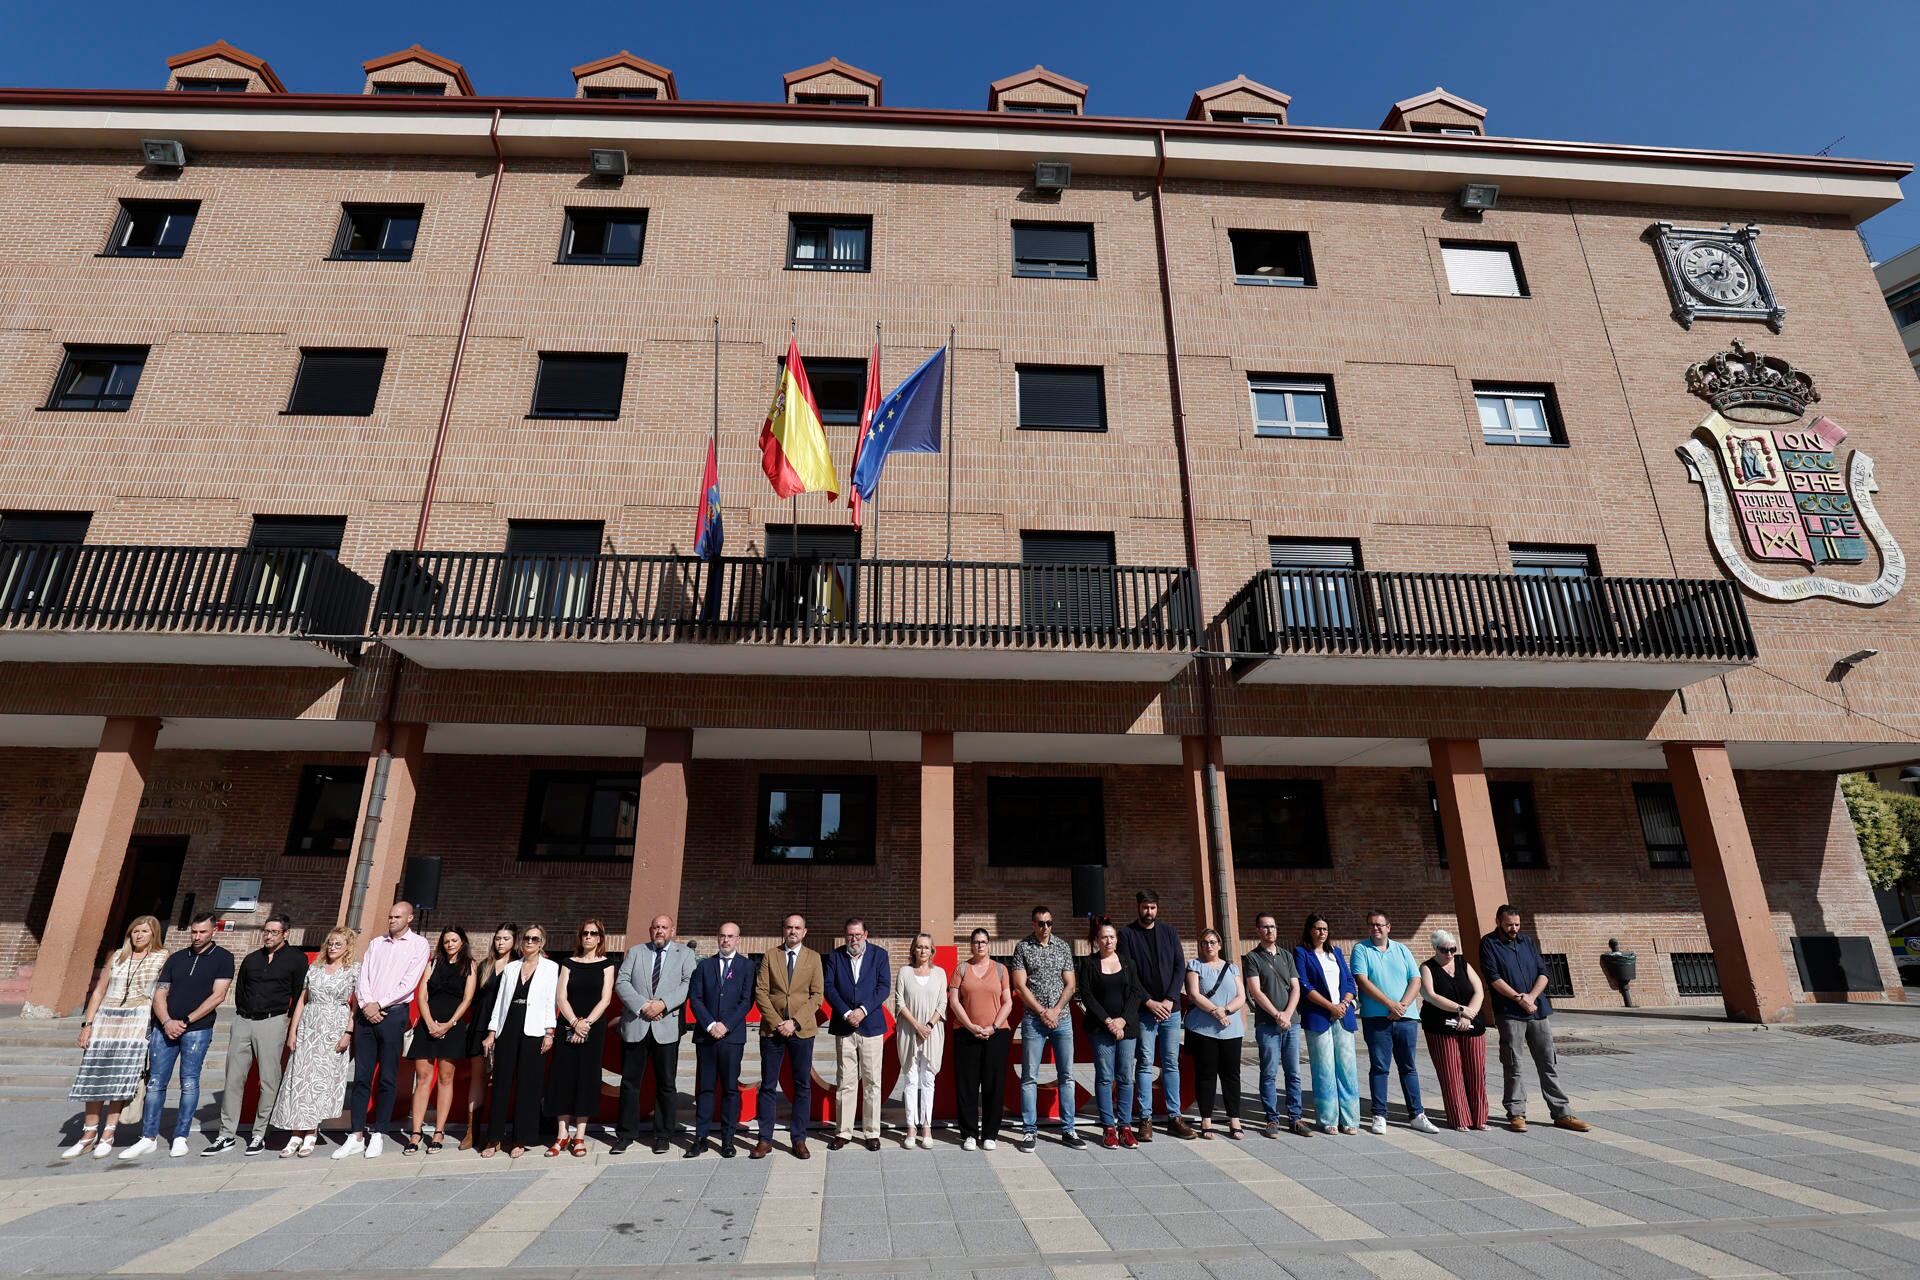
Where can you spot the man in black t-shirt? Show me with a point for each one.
(192, 984)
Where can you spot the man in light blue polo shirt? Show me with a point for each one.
(1389, 980)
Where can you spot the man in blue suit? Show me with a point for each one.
(858, 982)
(721, 995)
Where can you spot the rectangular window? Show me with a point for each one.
(152, 228)
(580, 817)
(1286, 404)
(1059, 249)
(1660, 825)
(377, 232)
(411, 88)
(818, 818)
(551, 568)
(817, 243)
(1696, 973)
(325, 810)
(301, 533)
(1905, 306)
(1057, 397)
(340, 382)
(1046, 822)
(1040, 108)
(831, 99)
(604, 237)
(98, 379)
(1066, 581)
(1241, 117)
(37, 555)
(839, 389)
(1447, 130)
(1277, 823)
(280, 554)
(574, 384)
(1483, 270)
(209, 84)
(1272, 257)
(1317, 586)
(1516, 826)
(1518, 414)
(629, 95)
(1559, 975)
(810, 575)
(1559, 595)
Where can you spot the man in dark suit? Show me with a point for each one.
(859, 980)
(787, 992)
(721, 996)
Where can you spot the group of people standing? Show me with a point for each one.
(530, 1031)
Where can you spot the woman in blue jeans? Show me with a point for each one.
(1108, 987)
(1328, 997)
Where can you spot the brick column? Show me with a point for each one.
(660, 837)
(90, 877)
(1214, 900)
(407, 744)
(1753, 977)
(936, 836)
(1473, 848)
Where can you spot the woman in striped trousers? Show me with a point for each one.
(1450, 1013)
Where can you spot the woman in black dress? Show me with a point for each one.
(439, 1038)
(479, 1066)
(573, 1078)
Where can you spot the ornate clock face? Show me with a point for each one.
(1716, 274)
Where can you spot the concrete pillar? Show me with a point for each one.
(936, 836)
(90, 877)
(660, 838)
(406, 743)
(1473, 846)
(1753, 977)
(1210, 853)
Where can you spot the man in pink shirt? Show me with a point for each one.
(389, 973)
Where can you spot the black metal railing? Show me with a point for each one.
(257, 591)
(1696, 973)
(1335, 611)
(974, 604)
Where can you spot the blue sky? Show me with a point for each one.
(1764, 75)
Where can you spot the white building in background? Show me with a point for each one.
(1899, 278)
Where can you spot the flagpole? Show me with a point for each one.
(873, 376)
(793, 548)
(948, 445)
(715, 570)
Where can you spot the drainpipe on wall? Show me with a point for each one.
(1219, 873)
(369, 834)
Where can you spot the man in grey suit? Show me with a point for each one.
(652, 986)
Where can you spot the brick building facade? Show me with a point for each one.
(229, 622)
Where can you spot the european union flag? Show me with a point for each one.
(907, 421)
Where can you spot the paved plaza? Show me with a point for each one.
(1717, 1151)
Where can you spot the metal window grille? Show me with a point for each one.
(1695, 973)
(1660, 824)
(1559, 975)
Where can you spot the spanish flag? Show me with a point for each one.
(793, 446)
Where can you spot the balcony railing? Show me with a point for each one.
(925, 603)
(87, 587)
(1489, 615)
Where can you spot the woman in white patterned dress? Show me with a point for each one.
(320, 1036)
(113, 1035)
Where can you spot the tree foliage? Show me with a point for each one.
(1888, 826)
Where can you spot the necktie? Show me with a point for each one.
(657, 953)
(726, 969)
(790, 956)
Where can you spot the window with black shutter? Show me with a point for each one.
(1056, 397)
(810, 573)
(580, 817)
(1516, 824)
(280, 556)
(377, 232)
(1277, 823)
(410, 88)
(325, 810)
(1046, 822)
(1660, 825)
(551, 568)
(98, 379)
(209, 84)
(817, 818)
(1067, 580)
(338, 382)
(152, 228)
(839, 389)
(604, 237)
(36, 556)
(1060, 249)
(575, 384)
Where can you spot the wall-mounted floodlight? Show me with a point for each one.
(1478, 197)
(607, 162)
(1052, 175)
(164, 153)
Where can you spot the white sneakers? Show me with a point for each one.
(143, 1147)
(969, 1145)
(179, 1148)
(1379, 1124)
(375, 1144)
(986, 1144)
(353, 1146)
(1423, 1125)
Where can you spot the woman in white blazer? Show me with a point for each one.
(518, 1039)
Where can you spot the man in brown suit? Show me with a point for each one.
(787, 991)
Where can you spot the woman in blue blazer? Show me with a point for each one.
(1327, 1017)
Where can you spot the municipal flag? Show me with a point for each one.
(867, 409)
(709, 534)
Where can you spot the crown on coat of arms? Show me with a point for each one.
(1747, 386)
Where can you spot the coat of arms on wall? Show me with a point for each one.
(1776, 487)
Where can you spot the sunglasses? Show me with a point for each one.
(589, 933)
(1043, 924)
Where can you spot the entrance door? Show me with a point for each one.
(149, 885)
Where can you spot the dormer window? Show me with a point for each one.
(621, 95)
(623, 77)
(1241, 117)
(411, 88)
(832, 83)
(209, 84)
(416, 72)
(1240, 101)
(1040, 108)
(1439, 113)
(1038, 91)
(831, 99)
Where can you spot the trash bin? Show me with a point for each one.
(1621, 967)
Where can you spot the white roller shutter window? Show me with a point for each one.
(1481, 272)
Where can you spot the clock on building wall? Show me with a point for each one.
(1716, 272)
